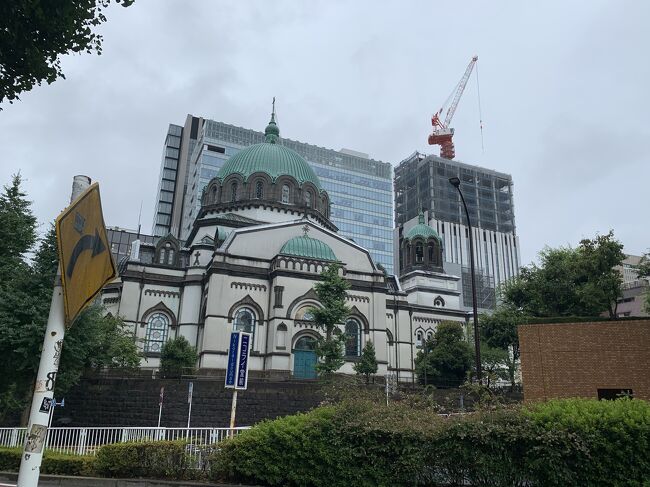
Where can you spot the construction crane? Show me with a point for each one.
(443, 134)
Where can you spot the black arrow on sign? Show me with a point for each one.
(87, 242)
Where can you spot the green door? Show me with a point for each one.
(304, 359)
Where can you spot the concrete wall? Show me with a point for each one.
(577, 359)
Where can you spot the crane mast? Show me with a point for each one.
(442, 134)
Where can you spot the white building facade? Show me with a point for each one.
(258, 245)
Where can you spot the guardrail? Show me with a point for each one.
(87, 440)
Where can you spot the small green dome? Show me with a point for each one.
(422, 230)
(304, 246)
(271, 158)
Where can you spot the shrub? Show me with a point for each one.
(574, 442)
(176, 357)
(616, 434)
(53, 463)
(155, 460)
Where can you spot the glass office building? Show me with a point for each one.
(360, 188)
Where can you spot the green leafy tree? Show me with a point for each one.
(367, 364)
(494, 364)
(446, 358)
(569, 282)
(332, 293)
(499, 331)
(177, 357)
(34, 34)
(95, 340)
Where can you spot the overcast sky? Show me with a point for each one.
(564, 92)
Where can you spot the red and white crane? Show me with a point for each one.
(442, 134)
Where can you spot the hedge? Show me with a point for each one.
(53, 463)
(153, 460)
(569, 442)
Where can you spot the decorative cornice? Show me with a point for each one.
(248, 286)
(165, 294)
(357, 298)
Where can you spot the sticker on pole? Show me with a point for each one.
(86, 261)
(233, 351)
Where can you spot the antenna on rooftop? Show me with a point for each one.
(139, 217)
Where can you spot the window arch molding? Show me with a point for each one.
(359, 316)
(167, 251)
(310, 334)
(247, 302)
(162, 308)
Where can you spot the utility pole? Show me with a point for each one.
(48, 368)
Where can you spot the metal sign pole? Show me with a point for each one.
(233, 410)
(160, 404)
(189, 411)
(48, 367)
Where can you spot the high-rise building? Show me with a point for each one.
(422, 184)
(360, 188)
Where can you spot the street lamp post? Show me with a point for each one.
(455, 182)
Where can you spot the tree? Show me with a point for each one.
(569, 282)
(331, 292)
(177, 357)
(499, 331)
(367, 364)
(94, 341)
(34, 34)
(494, 363)
(446, 357)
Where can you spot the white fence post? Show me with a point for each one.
(81, 448)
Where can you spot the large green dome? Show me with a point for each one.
(422, 230)
(304, 246)
(271, 158)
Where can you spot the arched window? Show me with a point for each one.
(233, 192)
(157, 331)
(285, 194)
(419, 253)
(308, 199)
(352, 338)
(244, 321)
(429, 335)
(419, 339)
(431, 254)
(305, 343)
(166, 254)
(259, 190)
(214, 195)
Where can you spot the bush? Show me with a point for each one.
(177, 356)
(154, 460)
(570, 442)
(616, 434)
(53, 463)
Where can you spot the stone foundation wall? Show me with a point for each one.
(134, 402)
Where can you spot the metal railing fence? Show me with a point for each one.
(87, 440)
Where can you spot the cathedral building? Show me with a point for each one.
(256, 249)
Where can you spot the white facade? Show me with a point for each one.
(251, 262)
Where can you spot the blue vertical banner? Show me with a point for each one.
(242, 365)
(233, 353)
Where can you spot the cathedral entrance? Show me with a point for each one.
(304, 358)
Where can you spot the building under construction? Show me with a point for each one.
(422, 183)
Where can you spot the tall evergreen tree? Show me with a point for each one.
(367, 364)
(331, 292)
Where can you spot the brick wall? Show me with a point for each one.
(134, 402)
(577, 359)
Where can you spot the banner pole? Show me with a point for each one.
(233, 409)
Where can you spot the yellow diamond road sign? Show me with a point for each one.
(86, 261)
